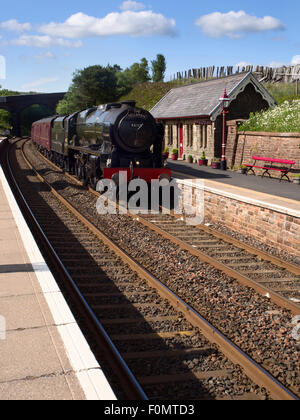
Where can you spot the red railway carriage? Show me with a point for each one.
(41, 132)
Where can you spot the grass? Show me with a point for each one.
(147, 95)
(282, 91)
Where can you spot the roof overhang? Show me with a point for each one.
(191, 117)
(239, 88)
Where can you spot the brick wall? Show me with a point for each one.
(241, 146)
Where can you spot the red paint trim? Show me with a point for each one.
(180, 141)
(146, 174)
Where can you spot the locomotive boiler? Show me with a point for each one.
(103, 141)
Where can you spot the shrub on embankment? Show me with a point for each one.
(284, 118)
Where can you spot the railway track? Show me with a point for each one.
(268, 275)
(163, 340)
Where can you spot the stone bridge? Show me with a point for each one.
(16, 104)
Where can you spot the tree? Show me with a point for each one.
(94, 85)
(137, 73)
(158, 68)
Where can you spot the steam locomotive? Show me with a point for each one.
(100, 142)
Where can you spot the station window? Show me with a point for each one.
(170, 135)
(190, 135)
(203, 136)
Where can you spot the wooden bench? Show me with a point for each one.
(268, 165)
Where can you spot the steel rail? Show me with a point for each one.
(132, 388)
(252, 369)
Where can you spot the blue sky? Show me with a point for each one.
(43, 43)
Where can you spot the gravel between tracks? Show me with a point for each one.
(262, 329)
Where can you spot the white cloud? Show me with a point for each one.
(44, 41)
(276, 64)
(132, 23)
(243, 64)
(15, 26)
(37, 83)
(295, 60)
(132, 5)
(236, 24)
(45, 55)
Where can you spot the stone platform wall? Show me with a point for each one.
(278, 228)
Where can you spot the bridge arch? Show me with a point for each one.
(18, 103)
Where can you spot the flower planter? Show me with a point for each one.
(216, 165)
(165, 155)
(296, 181)
(190, 160)
(203, 162)
(174, 157)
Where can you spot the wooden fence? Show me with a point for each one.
(283, 74)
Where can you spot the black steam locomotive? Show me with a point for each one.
(100, 142)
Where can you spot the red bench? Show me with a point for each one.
(267, 166)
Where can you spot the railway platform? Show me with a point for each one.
(279, 190)
(44, 355)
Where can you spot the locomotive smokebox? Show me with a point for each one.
(135, 131)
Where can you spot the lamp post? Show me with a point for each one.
(224, 102)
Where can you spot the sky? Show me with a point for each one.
(43, 43)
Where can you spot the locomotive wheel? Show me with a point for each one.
(77, 170)
(80, 172)
(94, 182)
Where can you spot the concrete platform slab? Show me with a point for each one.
(14, 283)
(23, 355)
(55, 387)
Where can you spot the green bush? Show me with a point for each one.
(284, 118)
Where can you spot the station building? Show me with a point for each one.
(193, 117)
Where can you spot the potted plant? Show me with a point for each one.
(174, 155)
(216, 163)
(203, 161)
(296, 178)
(242, 169)
(166, 153)
(190, 159)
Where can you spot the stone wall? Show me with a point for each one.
(260, 220)
(241, 146)
(203, 138)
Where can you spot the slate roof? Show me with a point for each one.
(202, 99)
